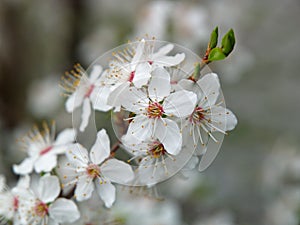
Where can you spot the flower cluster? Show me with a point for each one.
(170, 112)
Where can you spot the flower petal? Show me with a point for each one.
(222, 119)
(159, 86)
(168, 133)
(95, 73)
(138, 54)
(101, 149)
(64, 211)
(86, 112)
(74, 101)
(210, 85)
(117, 171)
(84, 188)
(169, 61)
(180, 104)
(48, 188)
(142, 74)
(65, 137)
(115, 98)
(141, 127)
(45, 163)
(164, 50)
(107, 192)
(25, 167)
(99, 98)
(77, 155)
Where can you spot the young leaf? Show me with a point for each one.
(214, 38)
(228, 42)
(216, 54)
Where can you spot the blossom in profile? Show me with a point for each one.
(85, 90)
(42, 148)
(95, 171)
(47, 207)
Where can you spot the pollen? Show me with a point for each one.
(155, 110)
(71, 80)
(41, 209)
(93, 170)
(157, 151)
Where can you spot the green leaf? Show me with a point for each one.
(216, 54)
(228, 42)
(214, 38)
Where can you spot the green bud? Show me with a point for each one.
(228, 42)
(216, 54)
(214, 38)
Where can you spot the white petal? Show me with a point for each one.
(77, 155)
(142, 74)
(25, 167)
(169, 61)
(48, 188)
(64, 211)
(45, 163)
(168, 133)
(52, 222)
(164, 50)
(138, 54)
(65, 137)
(101, 149)
(84, 188)
(180, 104)
(117, 171)
(99, 98)
(74, 101)
(96, 72)
(106, 191)
(86, 112)
(141, 127)
(116, 98)
(159, 86)
(210, 85)
(135, 100)
(222, 118)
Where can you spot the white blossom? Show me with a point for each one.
(47, 207)
(84, 90)
(208, 115)
(96, 170)
(155, 109)
(42, 149)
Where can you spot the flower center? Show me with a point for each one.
(155, 110)
(46, 150)
(41, 209)
(93, 170)
(150, 62)
(89, 91)
(198, 115)
(158, 151)
(16, 203)
(130, 79)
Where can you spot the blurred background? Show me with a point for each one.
(254, 180)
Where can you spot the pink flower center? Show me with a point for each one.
(93, 170)
(16, 203)
(89, 91)
(46, 150)
(130, 79)
(198, 115)
(158, 151)
(155, 110)
(41, 209)
(150, 62)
